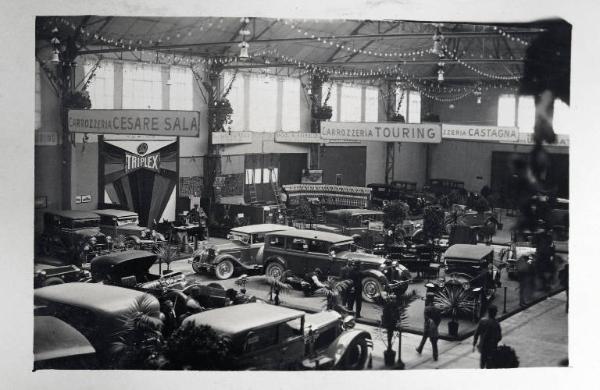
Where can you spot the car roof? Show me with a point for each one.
(261, 228)
(74, 214)
(468, 251)
(131, 260)
(116, 213)
(315, 235)
(54, 339)
(105, 300)
(354, 212)
(232, 320)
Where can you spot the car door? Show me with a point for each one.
(317, 256)
(295, 255)
(248, 255)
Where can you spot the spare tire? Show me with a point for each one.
(356, 355)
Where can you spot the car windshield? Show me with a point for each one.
(82, 223)
(127, 221)
(344, 247)
(241, 237)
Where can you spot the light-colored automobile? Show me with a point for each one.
(268, 337)
(243, 252)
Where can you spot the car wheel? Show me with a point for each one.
(224, 270)
(371, 288)
(356, 355)
(196, 267)
(53, 281)
(274, 270)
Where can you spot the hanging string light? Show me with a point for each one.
(437, 42)
(244, 32)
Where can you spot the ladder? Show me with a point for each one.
(252, 191)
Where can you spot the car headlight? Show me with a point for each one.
(93, 240)
(41, 273)
(86, 248)
(394, 263)
(108, 239)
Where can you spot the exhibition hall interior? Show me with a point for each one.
(253, 193)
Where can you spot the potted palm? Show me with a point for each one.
(166, 254)
(276, 286)
(332, 294)
(393, 316)
(452, 300)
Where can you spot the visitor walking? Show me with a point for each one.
(433, 317)
(489, 334)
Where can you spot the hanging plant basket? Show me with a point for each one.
(219, 114)
(322, 113)
(78, 100)
(397, 118)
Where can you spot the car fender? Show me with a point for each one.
(338, 348)
(226, 256)
(276, 259)
(377, 274)
(133, 238)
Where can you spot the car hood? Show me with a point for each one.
(363, 257)
(89, 232)
(229, 247)
(132, 227)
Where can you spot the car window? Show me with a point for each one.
(127, 220)
(297, 244)
(241, 237)
(317, 246)
(276, 241)
(260, 338)
(290, 329)
(258, 238)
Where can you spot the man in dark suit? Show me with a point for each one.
(489, 333)
(433, 317)
(355, 296)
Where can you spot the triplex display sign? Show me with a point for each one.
(147, 122)
(386, 132)
(480, 133)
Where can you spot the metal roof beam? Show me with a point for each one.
(355, 31)
(306, 39)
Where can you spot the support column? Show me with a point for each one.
(67, 74)
(279, 111)
(316, 87)
(389, 147)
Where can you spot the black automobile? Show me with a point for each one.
(74, 236)
(125, 223)
(303, 251)
(49, 276)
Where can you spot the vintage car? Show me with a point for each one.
(73, 235)
(303, 251)
(94, 309)
(351, 222)
(515, 253)
(125, 223)
(131, 269)
(272, 337)
(243, 252)
(48, 276)
(59, 346)
(398, 191)
(443, 186)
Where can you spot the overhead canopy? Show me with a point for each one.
(365, 49)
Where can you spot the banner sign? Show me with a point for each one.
(527, 139)
(232, 137)
(147, 122)
(385, 132)
(376, 226)
(298, 137)
(480, 133)
(133, 162)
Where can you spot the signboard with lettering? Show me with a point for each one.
(190, 186)
(386, 132)
(298, 137)
(479, 133)
(231, 137)
(148, 122)
(527, 139)
(133, 162)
